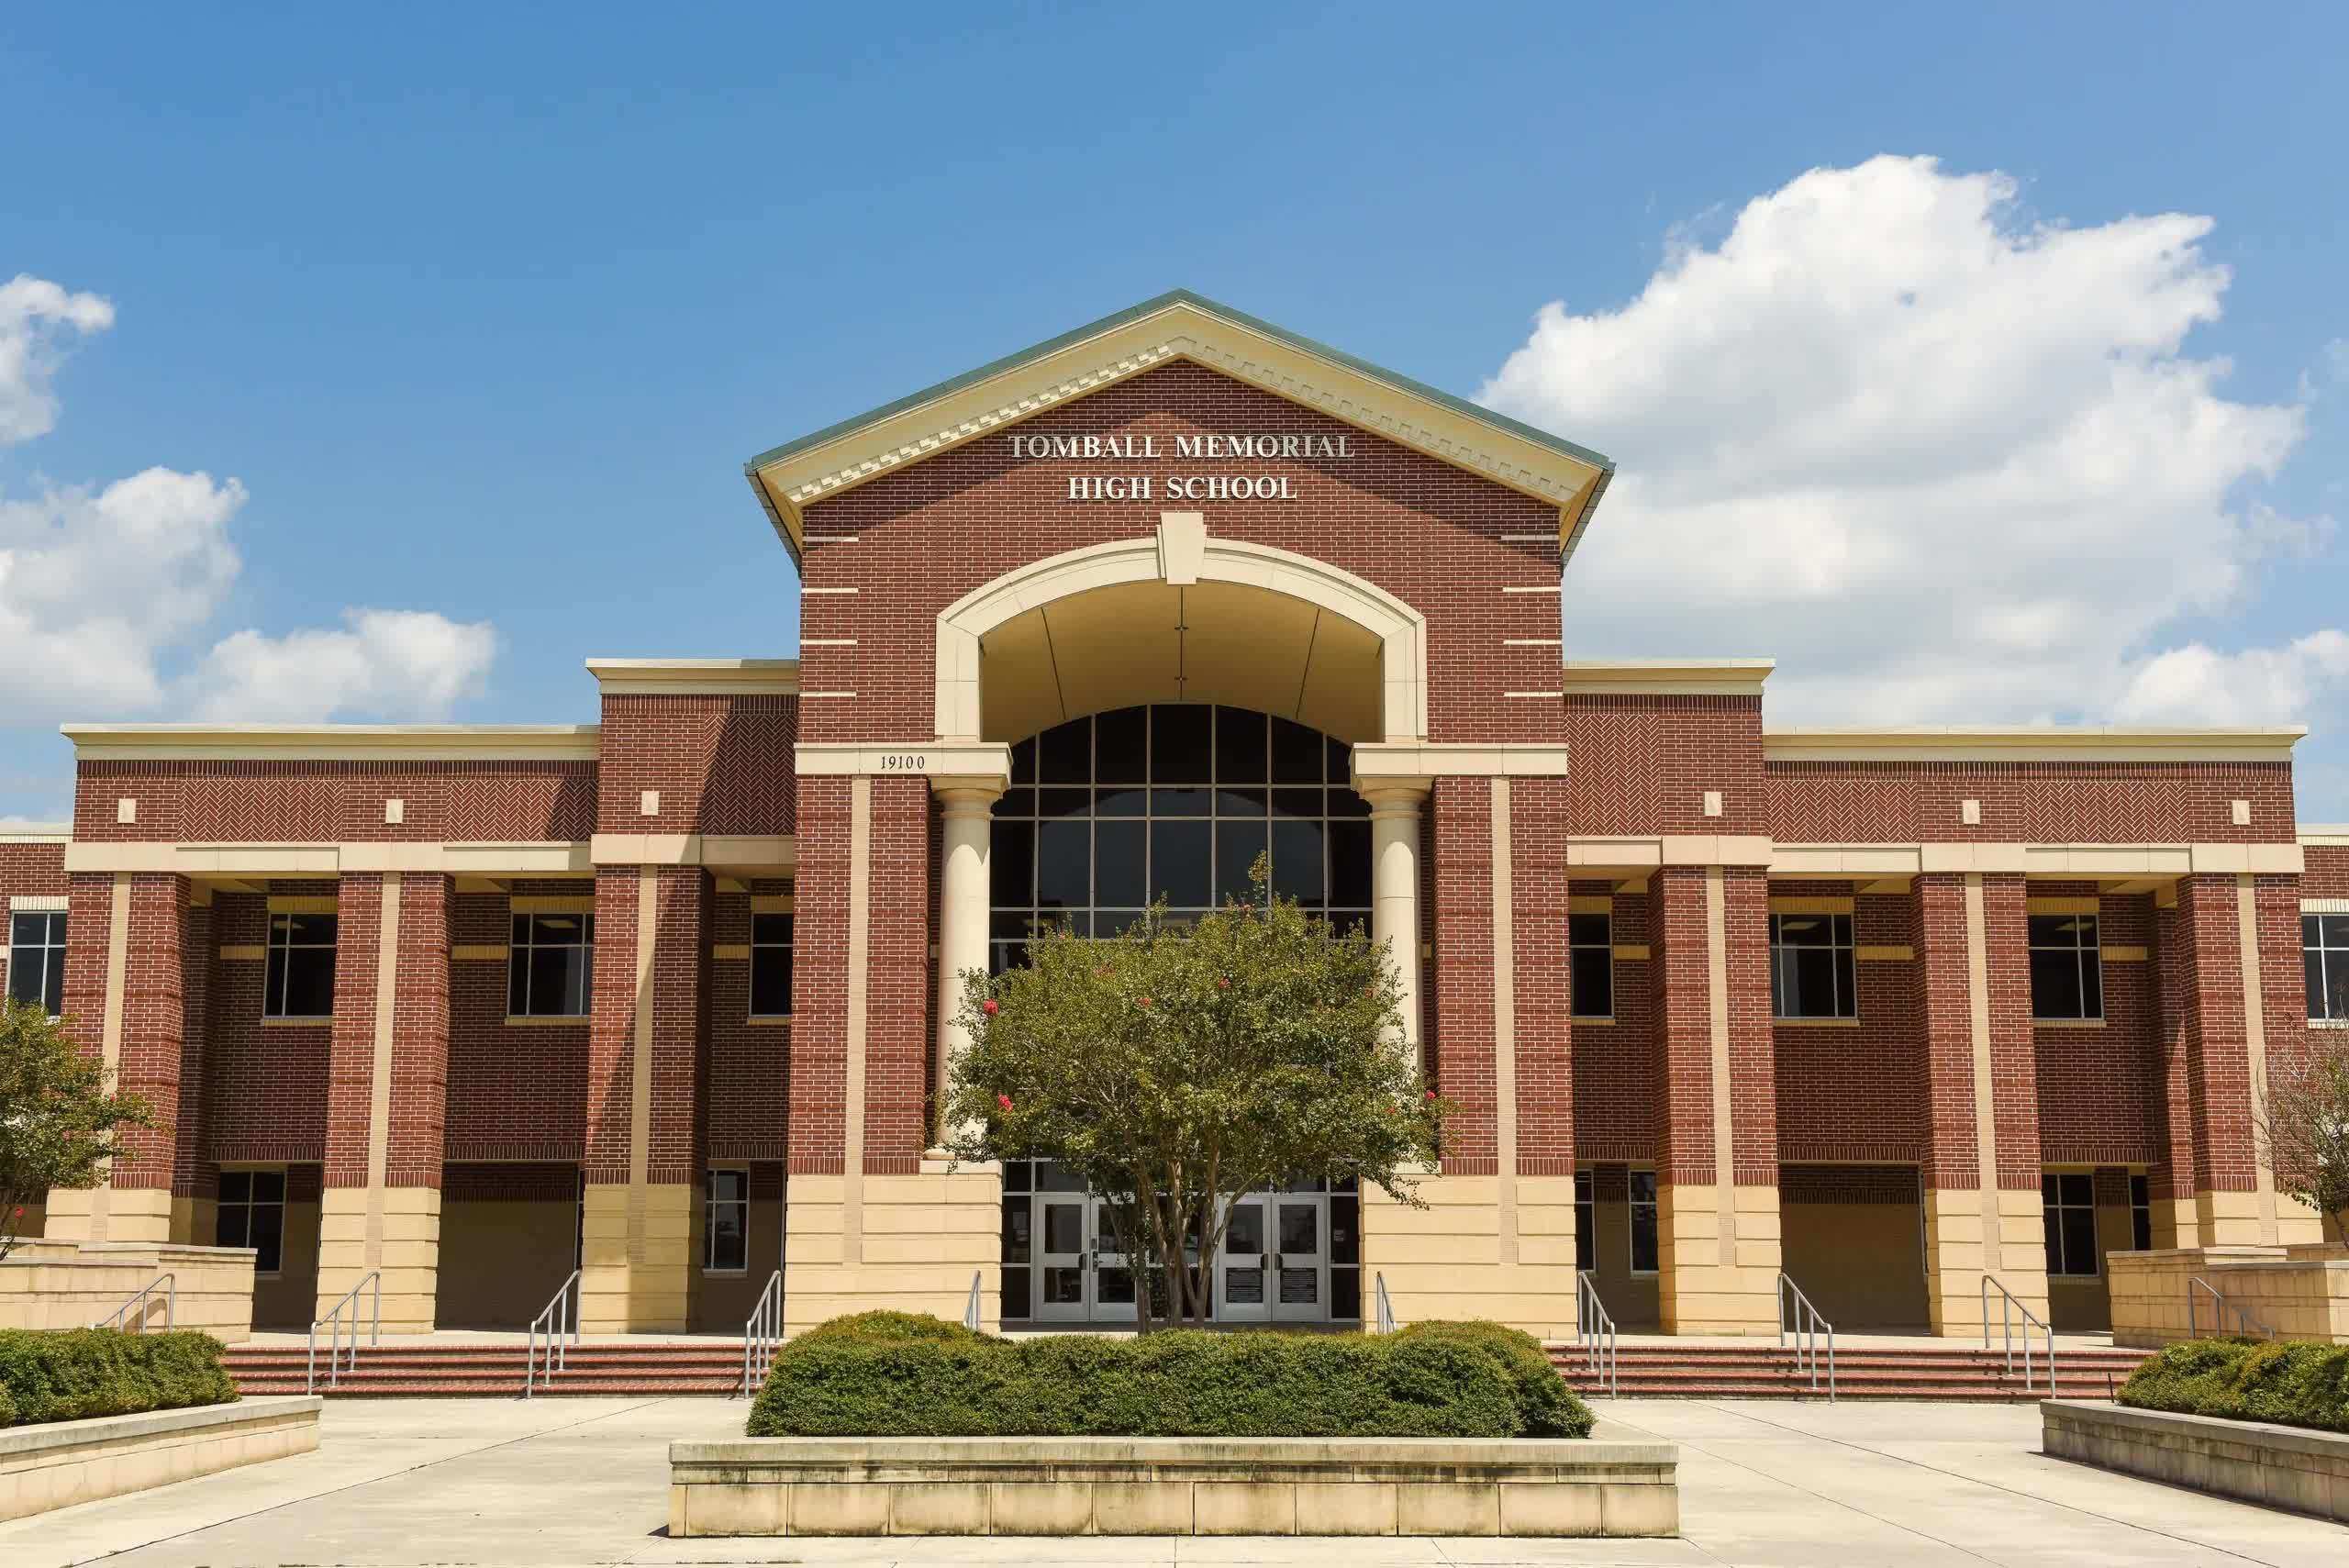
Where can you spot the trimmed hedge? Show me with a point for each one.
(74, 1373)
(2290, 1383)
(891, 1374)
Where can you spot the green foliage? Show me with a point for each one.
(1175, 1067)
(59, 1124)
(916, 1377)
(2290, 1383)
(75, 1373)
(2303, 1125)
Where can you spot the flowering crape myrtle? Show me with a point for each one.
(1179, 1066)
(61, 1123)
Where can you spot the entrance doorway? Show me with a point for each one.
(1291, 1256)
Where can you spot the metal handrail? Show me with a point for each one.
(762, 1332)
(560, 1328)
(336, 1362)
(120, 1316)
(2245, 1324)
(970, 1307)
(1386, 1306)
(1593, 1329)
(1806, 1329)
(2011, 1305)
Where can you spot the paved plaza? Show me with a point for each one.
(517, 1484)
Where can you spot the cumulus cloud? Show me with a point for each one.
(36, 317)
(106, 592)
(1947, 463)
(414, 663)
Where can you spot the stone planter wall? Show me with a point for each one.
(1172, 1486)
(2301, 1293)
(70, 1285)
(60, 1463)
(2285, 1467)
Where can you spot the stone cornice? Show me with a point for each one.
(1665, 677)
(1958, 743)
(948, 764)
(38, 833)
(229, 860)
(1398, 762)
(696, 677)
(333, 742)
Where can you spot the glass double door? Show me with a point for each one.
(1273, 1265)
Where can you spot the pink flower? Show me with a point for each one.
(1004, 1100)
(1430, 1093)
(1145, 1001)
(1223, 984)
(988, 1007)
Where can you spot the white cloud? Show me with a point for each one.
(414, 663)
(1943, 463)
(106, 592)
(35, 313)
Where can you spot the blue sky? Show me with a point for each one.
(482, 309)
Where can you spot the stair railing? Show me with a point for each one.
(2245, 1324)
(132, 1314)
(338, 1360)
(1386, 1324)
(970, 1307)
(762, 1333)
(2011, 1309)
(557, 1327)
(1594, 1329)
(1801, 1322)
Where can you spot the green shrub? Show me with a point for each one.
(2292, 1382)
(886, 1374)
(73, 1375)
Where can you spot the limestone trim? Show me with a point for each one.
(1430, 760)
(334, 742)
(1400, 630)
(110, 1029)
(1177, 326)
(1395, 891)
(965, 820)
(639, 1115)
(1504, 1020)
(38, 833)
(2255, 1029)
(1665, 677)
(940, 761)
(860, 966)
(2328, 835)
(1717, 1024)
(379, 1096)
(38, 904)
(2071, 862)
(2065, 906)
(1977, 1019)
(2307, 905)
(749, 854)
(233, 860)
(1963, 743)
(695, 677)
(1645, 852)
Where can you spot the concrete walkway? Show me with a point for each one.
(584, 1481)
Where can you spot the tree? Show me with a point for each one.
(2305, 1127)
(1179, 1066)
(59, 1124)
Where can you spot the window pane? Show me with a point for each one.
(770, 982)
(2055, 984)
(1023, 763)
(272, 993)
(1178, 863)
(550, 980)
(1297, 870)
(2336, 984)
(1594, 983)
(2079, 1241)
(26, 972)
(1118, 742)
(53, 982)
(236, 1187)
(1065, 865)
(1297, 754)
(1847, 984)
(1239, 755)
(2091, 984)
(2053, 931)
(1814, 983)
(1244, 802)
(1643, 1254)
(1181, 802)
(1302, 804)
(1350, 865)
(517, 983)
(1588, 930)
(309, 983)
(268, 1238)
(2312, 960)
(1064, 753)
(312, 930)
(1237, 845)
(2051, 1221)
(2336, 930)
(1120, 875)
(269, 1186)
(1804, 930)
(32, 931)
(1011, 865)
(2076, 1189)
(234, 1226)
(1178, 744)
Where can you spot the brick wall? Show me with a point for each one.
(515, 1091)
(2054, 803)
(749, 1065)
(326, 803)
(266, 1086)
(723, 764)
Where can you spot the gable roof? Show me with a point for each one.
(1179, 325)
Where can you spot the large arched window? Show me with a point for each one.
(1108, 813)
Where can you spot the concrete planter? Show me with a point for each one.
(2285, 1467)
(1172, 1486)
(60, 1462)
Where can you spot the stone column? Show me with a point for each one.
(965, 808)
(1395, 885)
(386, 1096)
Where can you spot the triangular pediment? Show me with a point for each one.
(1177, 325)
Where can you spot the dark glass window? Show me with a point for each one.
(252, 1214)
(1644, 1247)
(2141, 1215)
(1590, 951)
(549, 971)
(1586, 1221)
(2324, 950)
(36, 960)
(1090, 847)
(2066, 968)
(726, 1223)
(770, 966)
(300, 983)
(2069, 1200)
(1810, 967)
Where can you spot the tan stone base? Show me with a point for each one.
(53, 1284)
(2282, 1467)
(62, 1463)
(407, 1251)
(1957, 1258)
(908, 1244)
(140, 1215)
(1717, 1279)
(1448, 1259)
(1053, 1487)
(2300, 1293)
(638, 1253)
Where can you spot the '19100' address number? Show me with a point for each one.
(904, 763)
